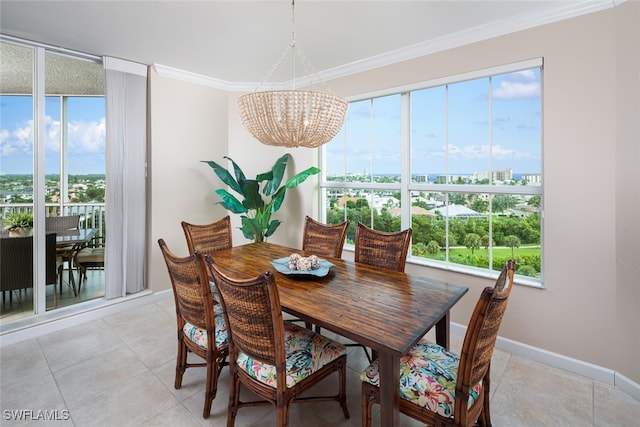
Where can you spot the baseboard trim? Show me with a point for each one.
(575, 366)
(628, 386)
(96, 309)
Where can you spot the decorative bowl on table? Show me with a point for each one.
(298, 265)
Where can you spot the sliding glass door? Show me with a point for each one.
(52, 164)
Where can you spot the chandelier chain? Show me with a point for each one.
(292, 118)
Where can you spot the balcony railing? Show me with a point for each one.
(92, 215)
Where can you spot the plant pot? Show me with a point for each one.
(21, 232)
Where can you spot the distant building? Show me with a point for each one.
(532, 178)
(456, 211)
(415, 210)
(502, 175)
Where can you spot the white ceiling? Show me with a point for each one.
(240, 41)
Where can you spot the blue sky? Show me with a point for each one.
(86, 130)
(463, 145)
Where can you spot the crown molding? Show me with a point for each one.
(462, 38)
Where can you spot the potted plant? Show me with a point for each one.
(261, 196)
(19, 223)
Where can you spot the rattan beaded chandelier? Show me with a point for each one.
(292, 118)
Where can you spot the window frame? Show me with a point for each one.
(406, 187)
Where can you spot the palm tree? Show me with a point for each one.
(472, 241)
(512, 242)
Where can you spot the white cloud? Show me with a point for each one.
(523, 84)
(511, 90)
(474, 152)
(83, 137)
(87, 137)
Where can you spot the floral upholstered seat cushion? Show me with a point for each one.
(427, 378)
(306, 352)
(214, 292)
(199, 336)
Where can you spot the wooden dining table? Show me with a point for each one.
(386, 311)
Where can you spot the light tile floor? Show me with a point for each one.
(119, 371)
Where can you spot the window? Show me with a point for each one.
(52, 156)
(458, 160)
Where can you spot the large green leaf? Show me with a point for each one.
(251, 193)
(278, 172)
(237, 171)
(299, 178)
(224, 175)
(230, 202)
(251, 229)
(272, 227)
(277, 199)
(266, 176)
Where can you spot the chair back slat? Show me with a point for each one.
(381, 249)
(325, 240)
(208, 238)
(253, 314)
(62, 223)
(191, 289)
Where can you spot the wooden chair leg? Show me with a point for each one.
(343, 389)
(181, 363)
(234, 398)
(367, 406)
(210, 389)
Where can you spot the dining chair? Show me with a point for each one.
(201, 326)
(276, 360)
(208, 238)
(66, 223)
(439, 387)
(382, 249)
(324, 240)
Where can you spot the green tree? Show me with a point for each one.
(512, 242)
(458, 199)
(480, 205)
(534, 201)
(433, 247)
(472, 241)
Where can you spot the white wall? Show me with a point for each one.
(188, 124)
(577, 314)
(589, 308)
(627, 189)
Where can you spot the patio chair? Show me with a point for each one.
(275, 360)
(62, 224)
(16, 267)
(439, 387)
(201, 327)
(86, 258)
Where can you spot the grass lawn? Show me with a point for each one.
(498, 251)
